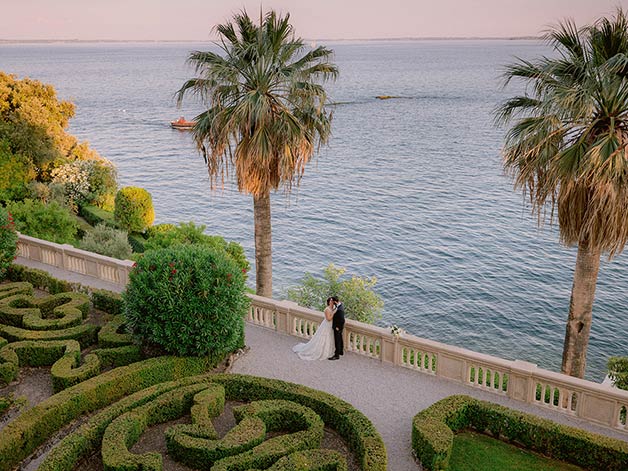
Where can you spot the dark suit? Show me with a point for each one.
(338, 324)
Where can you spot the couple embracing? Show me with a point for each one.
(327, 340)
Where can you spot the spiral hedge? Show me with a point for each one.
(272, 405)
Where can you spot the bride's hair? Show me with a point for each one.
(328, 299)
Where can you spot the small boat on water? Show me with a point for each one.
(182, 124)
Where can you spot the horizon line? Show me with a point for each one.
(409, 38)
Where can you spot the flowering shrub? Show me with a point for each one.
(75, 179)
(8, 241)
(134, 209)
(51, 221)
(187, 300)
(107, 241)
(91, 182)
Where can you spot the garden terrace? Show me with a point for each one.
(390, 379)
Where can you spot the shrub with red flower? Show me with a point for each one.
(8, 241)
(187, 300)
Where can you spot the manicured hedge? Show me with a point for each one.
(21, 436)
(85, 334)
(433, 432)
(63, 355)
(11, 289)
(118, 356)
(42, 280)
(362, 437)
(109, 337)
(306, 427)
(107, 301)
(95, 215)
(311, 460)
(126, 430)
(58, 311)
(68, 371)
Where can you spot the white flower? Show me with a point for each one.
(396, 331)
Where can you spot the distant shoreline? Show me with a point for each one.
(150, 41)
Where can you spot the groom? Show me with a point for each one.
(338, 324)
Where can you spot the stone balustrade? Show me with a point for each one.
(74, 260)
(519, 380)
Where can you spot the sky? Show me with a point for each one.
(312, 19)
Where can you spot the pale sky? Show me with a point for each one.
(312, 19)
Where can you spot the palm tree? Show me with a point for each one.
(567, 150)
(266, 114)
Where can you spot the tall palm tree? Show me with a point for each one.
(567, 150)
(266, 114)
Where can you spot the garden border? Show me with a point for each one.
(433, 431)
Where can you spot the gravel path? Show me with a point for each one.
(389, 396)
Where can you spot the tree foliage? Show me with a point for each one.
(34, 141)
(357, 293)
(266, 114)
(134, 209)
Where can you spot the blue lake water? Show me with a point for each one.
(410, 190)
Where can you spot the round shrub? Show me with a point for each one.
(107, 241)
(8, 241)
(187, 300)
(166, 235)
(134, 209)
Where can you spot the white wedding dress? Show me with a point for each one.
(321, 345)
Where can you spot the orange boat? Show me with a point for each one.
(181, 123)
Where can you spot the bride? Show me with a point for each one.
(321, 345)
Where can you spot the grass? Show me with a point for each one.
(477, 452)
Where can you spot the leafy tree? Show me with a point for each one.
(33, 123)
(567, 150)
(266, 114)
(618, 371)
(16, 171)
(361, 302)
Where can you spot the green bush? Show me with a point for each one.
(45, 221)
(95, 215)
(433, 430)
(107, 301)
(11, 289)
(118, 356)
(134, 209)
(107, 241)
(110, 336)
(163, 236)
(618, 371)
(360, 301)
(187, 300)
(136, 241)
(85, 334)
(362, 437)
(41, 279)
(311, 460)
(25, 433)
(8, 241)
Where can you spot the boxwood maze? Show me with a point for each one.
(51, 331)
(272, 406)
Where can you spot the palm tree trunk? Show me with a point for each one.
(580, 310)
(263, 245)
